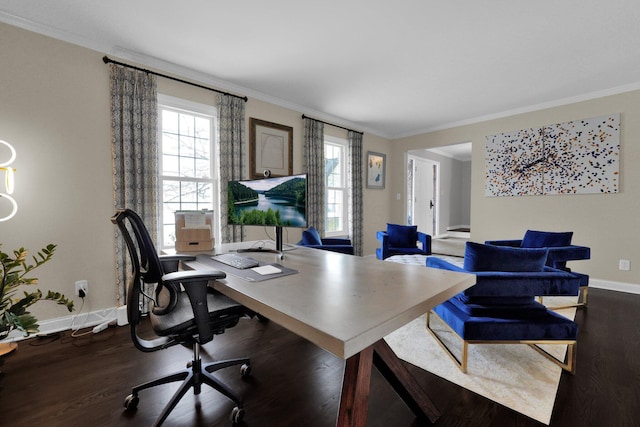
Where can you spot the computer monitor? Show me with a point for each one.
(275, 201)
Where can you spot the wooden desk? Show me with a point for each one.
(346, 305)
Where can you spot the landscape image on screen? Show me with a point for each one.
(278, 201)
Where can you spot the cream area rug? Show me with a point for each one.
(515, 376)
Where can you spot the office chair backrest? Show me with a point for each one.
(145, 251)
(147, 269)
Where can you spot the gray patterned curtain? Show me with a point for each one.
(314, 167)
(231, 120)
(356, 219)
(134, 115)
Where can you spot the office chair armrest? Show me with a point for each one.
(170, 263)
(193, 276)
(195, 284)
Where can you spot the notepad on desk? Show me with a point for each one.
(265, 270)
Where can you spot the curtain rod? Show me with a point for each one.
(331, 124)
(108, 60)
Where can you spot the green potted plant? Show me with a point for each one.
(13, 306)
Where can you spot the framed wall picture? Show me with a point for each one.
(376, 169)
(270, 149)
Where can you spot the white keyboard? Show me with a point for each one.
(236, 261)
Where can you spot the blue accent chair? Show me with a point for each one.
(402, 240)
(501, 306)
(560, 251)
(311, 239)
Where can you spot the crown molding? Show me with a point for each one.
(49, 31)
(528, 109)
(175, 69)
(208, 79)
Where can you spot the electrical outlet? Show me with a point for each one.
(84, 285)
(624, 264)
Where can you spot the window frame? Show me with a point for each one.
(180, 105)
(345, 188)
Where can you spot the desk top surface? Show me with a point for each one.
(342, 303)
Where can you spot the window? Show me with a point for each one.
(188, 176)
(336, 210)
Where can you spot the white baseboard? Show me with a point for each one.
(630, 288)
(59, 324)
(456, 234)
(460, 234)
(454, 227)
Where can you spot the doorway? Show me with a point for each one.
(422, 194)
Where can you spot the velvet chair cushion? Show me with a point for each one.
(526, 308)
(549, 326)
(546, 239)
(402, 236)
(311, 237)
(479, 257)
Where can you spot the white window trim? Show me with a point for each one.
(192, 107)
(345, 214)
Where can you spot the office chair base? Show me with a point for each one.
(193, 377)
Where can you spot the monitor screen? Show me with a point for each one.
(277, 201)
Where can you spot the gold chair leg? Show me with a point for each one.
(582, 300)
(570, 365)
(465, 356)
(462, 365)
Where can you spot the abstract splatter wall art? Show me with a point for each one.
(576, 157)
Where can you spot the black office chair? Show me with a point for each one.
(184, 310)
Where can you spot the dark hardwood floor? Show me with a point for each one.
(64, 381)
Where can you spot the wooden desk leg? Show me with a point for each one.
(391, 367)
(354, 401)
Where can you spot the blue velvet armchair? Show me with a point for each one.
(558, 243)
(402, 240)
(311, 239)
(501, 306)
(560, 251)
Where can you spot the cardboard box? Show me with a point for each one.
(194, 231)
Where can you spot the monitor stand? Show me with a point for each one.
(278, 250)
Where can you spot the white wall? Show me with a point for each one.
(54, 109)
(464, 200)
(608, 223)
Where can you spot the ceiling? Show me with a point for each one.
(392, 68)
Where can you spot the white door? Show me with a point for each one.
(425, 203)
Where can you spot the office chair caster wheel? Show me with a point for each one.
(245, 370)
(131, 402)
(236, 415)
